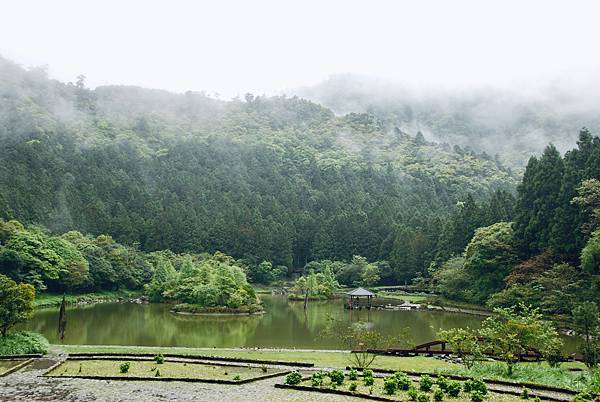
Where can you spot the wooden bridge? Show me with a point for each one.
(439, 348)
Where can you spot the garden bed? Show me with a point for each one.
(376, 390)
(149, 370)
(10, 366)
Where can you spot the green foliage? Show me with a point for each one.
(403, 381)
(352, 387)
(353, 375)
(124, 367)
(317, 378)
(438, 395)
(319, 285)
(16, 303)
(477, 396)
(293, 378)
(159, 359)
(425, 383)
(359, 337)
(453, 389)
(423, 397)
(336, 376)
(511, 333)
(368, 379)
(276, 179)
(464, 342)
(413, 394)
(202, 282)
(525, 393)
(590, 255)
(586, 320)
(583, 397)
(442, 382)
(475, 385)
(390, 385)
(23, 342)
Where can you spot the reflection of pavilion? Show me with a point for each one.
(359, 298)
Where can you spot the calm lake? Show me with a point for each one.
(285, 325)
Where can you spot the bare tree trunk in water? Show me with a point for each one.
(305, 299)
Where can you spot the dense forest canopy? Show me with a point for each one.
(264, 178)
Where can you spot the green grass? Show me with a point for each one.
(319, 358)
(6, 365)
(108, 368)
(411, 298)
(377, 389)
(54, 299)
(538, 373)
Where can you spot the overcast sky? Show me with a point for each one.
(232, 47)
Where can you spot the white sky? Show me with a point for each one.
(232, 47)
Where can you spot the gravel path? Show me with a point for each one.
(28, 384)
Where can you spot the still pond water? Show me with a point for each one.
(285, 325)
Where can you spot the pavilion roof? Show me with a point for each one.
(360, 292)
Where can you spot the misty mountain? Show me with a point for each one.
(513, 122)
(264, 178)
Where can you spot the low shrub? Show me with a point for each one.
(337, 377)
(583, 397)
(475, 385)
(236, 378)
(352, 387)
(413, 394)
(22, 343)
(124, 367)
(425, 383)
(157, 374)
(293, 378)
(453, 389)
(353, 375)
(403, 381)
(317, 378)
(368, 381)
(423, 397)
(442, 382)
(159, 359)
(438, 395)
(477, 396)
(367, 373)
(390, 385)
(525, 393)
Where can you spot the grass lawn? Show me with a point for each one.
(336, 359)
(137, 368)
(537, 373)
(6, 365)
(409, 297)
(378, 390)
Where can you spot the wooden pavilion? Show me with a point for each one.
(355, 298)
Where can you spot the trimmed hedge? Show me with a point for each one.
(22, 343)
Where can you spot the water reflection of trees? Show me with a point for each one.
(285, 324)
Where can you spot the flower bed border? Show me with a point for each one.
(168, 379)
(333, 391)
(17, 357)
(195, 357)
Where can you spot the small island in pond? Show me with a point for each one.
(201, 284)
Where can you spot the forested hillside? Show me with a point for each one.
(549, 257)
(263, 178)
(512, 122)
